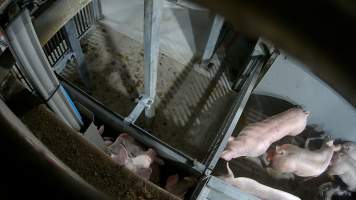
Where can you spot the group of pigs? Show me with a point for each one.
(125, 151)
(255, 139)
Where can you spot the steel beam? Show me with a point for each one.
(28, 53)
(152, 21)
(213, 37)
(72, 38)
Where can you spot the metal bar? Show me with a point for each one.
(73, 41)
(117, 122)
(91, 13)
(152, 21)
(98, 11)
(85, 16)
(233, 117)
(213, 37)
(60, 41)
(214, 188)
(139, 108)
(62, 62)
(30, 57)
(64, 41)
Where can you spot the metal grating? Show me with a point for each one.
(56, 47)
(84, 19)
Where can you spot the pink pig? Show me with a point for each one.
(254, 139)
(255, 188)
(289, 158)
(350, 149)
(126, 152)
(345, 167)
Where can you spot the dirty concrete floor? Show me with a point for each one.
(191, 101)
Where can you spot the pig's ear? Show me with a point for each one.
(121, 157)
(144, 173)
(280, 150)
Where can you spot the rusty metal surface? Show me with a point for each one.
(321, 34)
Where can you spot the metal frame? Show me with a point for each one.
(234, 115)
(214, 34)
(152, 21)
(29, 55)
(74, 44)
(211, 187)
(118, 123)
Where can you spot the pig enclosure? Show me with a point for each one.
(188, 99)
(192, 102)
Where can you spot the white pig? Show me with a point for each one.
(139, 165)
(133, 148)
(350, 149)
(254, 139)
(344, 166)
(256, 189)
(126, 152)
(289, 158)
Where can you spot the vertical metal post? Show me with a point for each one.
(213, 37)
(98, 11)
(26, 49)
(74, 44)
(152, 21)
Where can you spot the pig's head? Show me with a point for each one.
(120, 156)
(144, 160)
(279, 151)
(338, 164)
(349, 147)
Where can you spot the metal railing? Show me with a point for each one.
(58, 45)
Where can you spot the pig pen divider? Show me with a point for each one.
(234, 115)
(117, 122)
